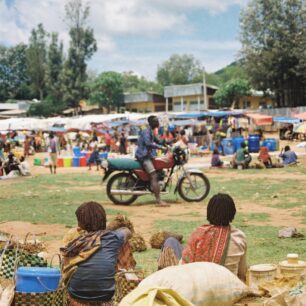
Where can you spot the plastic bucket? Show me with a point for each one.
(76, 162)
(271, 144)
(261, 273)
(60, 162)
(83, 161)
(228, 146)
(77, 151)
(253, 143)
(37, 279)
(46, 161)
(237, 141)
(103, 155)
(37, 162)
(67, 161)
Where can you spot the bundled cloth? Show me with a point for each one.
(157, 240)
(202, 283)
(154, 296)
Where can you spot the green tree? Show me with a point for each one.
(229, 93)
(45, 108)
(54, 68)
(107, 90)
(179, 69)
(134, 83)
(233, 71)
(273, 37)
(36, 60)
(13, 73)
(82, 47)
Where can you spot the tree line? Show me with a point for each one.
(272, 59)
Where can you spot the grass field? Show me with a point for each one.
(266, 200)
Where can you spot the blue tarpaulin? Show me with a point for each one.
(286, 120)
(196, 115)
(182, 122)
(192, 115)
(225, 113)
(113, 124)
(56, 129)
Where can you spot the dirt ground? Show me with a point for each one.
(143, 216)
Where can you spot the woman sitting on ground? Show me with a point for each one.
(216, 242)
(242, 157)
(91, 257)
(215, 159)
(288, 157)
(265, 157)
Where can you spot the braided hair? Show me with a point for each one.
(221, 210)
(91, 216)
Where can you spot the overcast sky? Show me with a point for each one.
(137, 35)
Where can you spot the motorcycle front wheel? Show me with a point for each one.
(122, 182)
(194, 188)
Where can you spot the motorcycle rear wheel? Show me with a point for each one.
(200, 190)
(121, 181)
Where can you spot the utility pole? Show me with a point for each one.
(206, 106)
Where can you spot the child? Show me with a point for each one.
(215, 159)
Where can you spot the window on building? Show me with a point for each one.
(160, 108)
(193, 106)
(246, 104)
(262, 104)
(177, 106)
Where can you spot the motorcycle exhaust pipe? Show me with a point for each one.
(133, 192)
(129, 192)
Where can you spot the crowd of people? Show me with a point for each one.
(242, 158)
(208, 135)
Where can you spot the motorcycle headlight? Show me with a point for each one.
(104, 164)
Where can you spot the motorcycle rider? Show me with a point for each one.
(146, 151)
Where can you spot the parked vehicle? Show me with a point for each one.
(127, 180)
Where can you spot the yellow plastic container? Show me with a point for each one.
(292, 266)
(259, 274)
(67, 161)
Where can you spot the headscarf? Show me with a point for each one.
(264, 154)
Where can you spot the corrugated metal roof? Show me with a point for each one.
(185, 90)
(9, 106)
(138, 97)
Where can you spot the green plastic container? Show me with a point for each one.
(37, 162)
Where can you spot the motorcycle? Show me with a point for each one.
(131, 181)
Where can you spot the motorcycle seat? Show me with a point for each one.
(123, 164)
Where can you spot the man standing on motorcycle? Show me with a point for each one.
(146, 151)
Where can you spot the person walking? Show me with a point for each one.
(53, 149)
